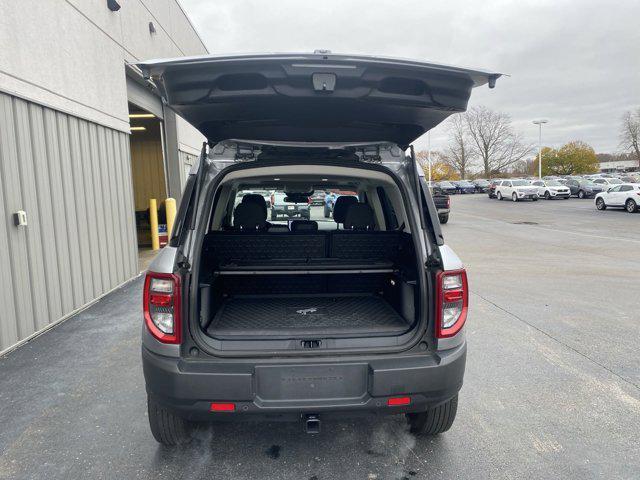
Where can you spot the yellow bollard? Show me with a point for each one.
(170, 209)
(153, 220)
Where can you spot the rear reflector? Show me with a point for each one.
(398, 401)
(223, 407)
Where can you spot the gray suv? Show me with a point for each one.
(359, 314)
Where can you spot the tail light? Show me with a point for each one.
(452, 302)
(161, 305)
(448, 202)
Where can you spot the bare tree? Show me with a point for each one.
(630, 133)
(494, 139)
(461, 152)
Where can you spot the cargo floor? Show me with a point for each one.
(311, 315)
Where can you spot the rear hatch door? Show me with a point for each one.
(313, 97)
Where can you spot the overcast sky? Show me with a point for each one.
(575, 63)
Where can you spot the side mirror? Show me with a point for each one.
(608, 189)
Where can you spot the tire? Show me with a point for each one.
(535, 199)
(631, 206)
(547, 195)
(499, 195)
(166, 427)
(435, 420)
(581, 194)
(600, 205)
(514, 197)
(443, 218)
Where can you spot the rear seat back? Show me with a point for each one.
(364, 245)
(227, 247)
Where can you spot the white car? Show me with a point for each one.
(605, 182)
(516, 190)
(625, 196)
(551, 189)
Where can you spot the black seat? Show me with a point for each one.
(341, 207)
(249, 217)
(304, 226)
(359, 216)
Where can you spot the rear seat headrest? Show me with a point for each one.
(258, 200)
(248, 216)
(359, 217)
(341, 207)
(304, 226)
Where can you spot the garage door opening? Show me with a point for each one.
(148, 172)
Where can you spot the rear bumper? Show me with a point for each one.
(350, 387)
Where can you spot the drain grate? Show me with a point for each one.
(525, 223)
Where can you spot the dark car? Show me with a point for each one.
(463, 186)
(284, 206)
(447, 187)
(245, 319)
(491, 191)
(441, 201)
(482, 186)
(583, 188)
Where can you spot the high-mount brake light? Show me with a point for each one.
(161, 306)
(452, 302)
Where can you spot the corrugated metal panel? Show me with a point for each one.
(73, 178)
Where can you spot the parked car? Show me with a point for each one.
(447, 187)
(516, 190)
(551, 189)
(464, 186)
(241, 323)
(492, 187)
(283, 206)
(630, 179)
(606, 182)
(625, 196)
(482, 186)
(443, 204)
(583, 188)
(317, 198)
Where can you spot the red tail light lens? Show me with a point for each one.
(398, 401)
(452, 302)
(223, 407)
(161, 306)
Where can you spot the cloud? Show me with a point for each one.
(575, 63)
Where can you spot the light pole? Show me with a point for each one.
(429, 154)
(539, 123)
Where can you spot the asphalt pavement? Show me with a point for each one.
(552, 388)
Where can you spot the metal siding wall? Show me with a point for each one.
(73, 178)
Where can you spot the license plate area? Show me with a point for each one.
(311, 382)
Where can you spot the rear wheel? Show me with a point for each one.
(600, 205)
(514, 197)
(631, 206)
(499, 195)
(444, 218)
(166, 427)
(581, 194)
(547, 195)
(435, 420)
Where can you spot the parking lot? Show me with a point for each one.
(552, 387)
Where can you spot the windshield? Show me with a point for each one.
(614, 181)
(519, 183)
(553, 183)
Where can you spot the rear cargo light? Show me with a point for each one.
(452, 302)
(161, 306)
(398, 401)
(223, 407)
